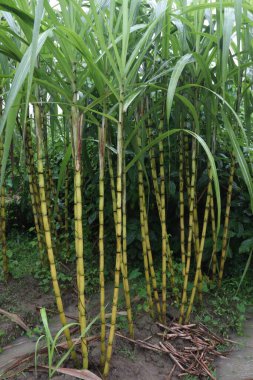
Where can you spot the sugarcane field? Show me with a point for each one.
(126, 189)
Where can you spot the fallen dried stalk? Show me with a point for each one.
(171, 372)
(196, 357)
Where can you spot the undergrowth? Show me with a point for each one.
(223, 310)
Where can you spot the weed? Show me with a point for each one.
(34, 332)
(225, 311)
(192, 377)
(52, 344)
(122, 323)
(127, 353)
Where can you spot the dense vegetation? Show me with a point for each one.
(126, 141)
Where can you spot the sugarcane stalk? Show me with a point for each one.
(124, 270)
(153, 169)
(143, 235)
(164, 229)
(123, 265)
(195, 210)
(79, 261)
(5, 259)
(34, 192)
(48, 191)
(158, 200)
(151, 264)
(187, 165)
(226, 221)
(66, 210)
(214, 237)
(102, 141)
(200, 254)
(190, 233)
(119, 233)
(181, 203)
(47, 231)
(197, 243)
(3, 236)
(77, 127)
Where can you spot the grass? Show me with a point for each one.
(127, 353)
(224, 311)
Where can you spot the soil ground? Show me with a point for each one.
(21, 297)
(129, 362)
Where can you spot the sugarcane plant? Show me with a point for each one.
(163, 88)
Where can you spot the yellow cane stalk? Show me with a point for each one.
(150, 260)
(195, 211)
(226, 222)
(113, 191)
(79, 261)
(186, 164)
(76, 123)
(124, 258)
(124, 243)
(164, 229)
(145, 235)
(214, 237)
(199, 258)
(118, 236)
(197, 243)
(2, 211)
(49, 186)
(101, 239)
(47, 232)
(46, 171)
(52, 191)
(32, 180)
(181, 203)
(190, 233)
(153, 168)
(3, 235)
(66, 210)
(31, 167)
(158, 198)
(143, 238)
(3, 223)
(34, 209)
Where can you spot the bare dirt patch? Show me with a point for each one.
(21, 297)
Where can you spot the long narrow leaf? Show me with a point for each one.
(20, 76)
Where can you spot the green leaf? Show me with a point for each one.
(207, 151)
(10, 126)
(246, 246)
(239, 156)
(180, 65)
(227, 34)
(10, 6)
(34, 47)
(20, 76)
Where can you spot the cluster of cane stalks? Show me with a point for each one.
(157, 84)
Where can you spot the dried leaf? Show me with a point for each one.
(15, 318)
(79, 373)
